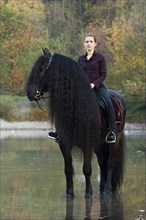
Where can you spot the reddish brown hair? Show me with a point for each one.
(91, 35)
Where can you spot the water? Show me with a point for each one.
(33, 183)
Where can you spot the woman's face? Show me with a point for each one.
(89, 43)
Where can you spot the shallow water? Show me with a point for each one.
(33, 182)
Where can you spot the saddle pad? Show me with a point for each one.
(117, 108)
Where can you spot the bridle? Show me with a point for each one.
(39, 92)
(40, 96)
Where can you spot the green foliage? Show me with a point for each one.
(135, 109)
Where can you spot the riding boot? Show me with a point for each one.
(111, 136)
(52, 134)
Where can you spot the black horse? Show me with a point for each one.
(79, 120)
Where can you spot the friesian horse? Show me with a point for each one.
(79, 120)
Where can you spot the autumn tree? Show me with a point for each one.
(127, 49)
(17, 36)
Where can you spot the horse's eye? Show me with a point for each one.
(42, 67)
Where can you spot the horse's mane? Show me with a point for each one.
(73, 106)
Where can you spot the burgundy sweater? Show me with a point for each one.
(95, 68)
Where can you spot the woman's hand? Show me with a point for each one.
(92, 85)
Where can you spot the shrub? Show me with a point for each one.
(7, 109)
(18, 108)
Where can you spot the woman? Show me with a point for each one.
(94, 66)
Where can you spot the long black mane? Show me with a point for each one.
(72, 103)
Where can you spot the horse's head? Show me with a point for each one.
(33, 85)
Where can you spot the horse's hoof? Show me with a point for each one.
(70, 196)
(107, 193)
(88, 195)
(101, 192)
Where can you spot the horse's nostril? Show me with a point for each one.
(29, 96)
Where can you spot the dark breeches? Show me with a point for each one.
(102, 92)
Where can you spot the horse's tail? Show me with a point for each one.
(118, 162)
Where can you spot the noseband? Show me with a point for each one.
(38, 95)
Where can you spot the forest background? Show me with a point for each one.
(61, 25)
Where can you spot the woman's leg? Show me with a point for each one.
(111, 137)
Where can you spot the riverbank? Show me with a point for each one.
(31, 129)
(24, 125)
(36, 125)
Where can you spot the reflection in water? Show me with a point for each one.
(88, 207)
(70, 206)
(111, 208)
(32, 183)
(69, 209)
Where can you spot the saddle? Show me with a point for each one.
(103, 109)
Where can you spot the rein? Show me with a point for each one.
(39, 97)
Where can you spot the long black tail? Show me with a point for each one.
(118, 163)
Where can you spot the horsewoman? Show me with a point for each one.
(94, 66)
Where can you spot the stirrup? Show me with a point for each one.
(113, 139)
(52, 135)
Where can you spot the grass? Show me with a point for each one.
(19, 108)
(136, 110)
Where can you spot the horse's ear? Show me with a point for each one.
(46, 52)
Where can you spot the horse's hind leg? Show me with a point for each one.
(68, 169)
(87, 170)
(102, 153)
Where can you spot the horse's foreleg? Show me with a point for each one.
(69, 178)
(68, 169)
(87, 170)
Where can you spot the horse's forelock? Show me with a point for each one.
(34, 74)
(34, 77)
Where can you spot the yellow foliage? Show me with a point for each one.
(126, 48)
(17, 81)
(27, 6)
(118, 33)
